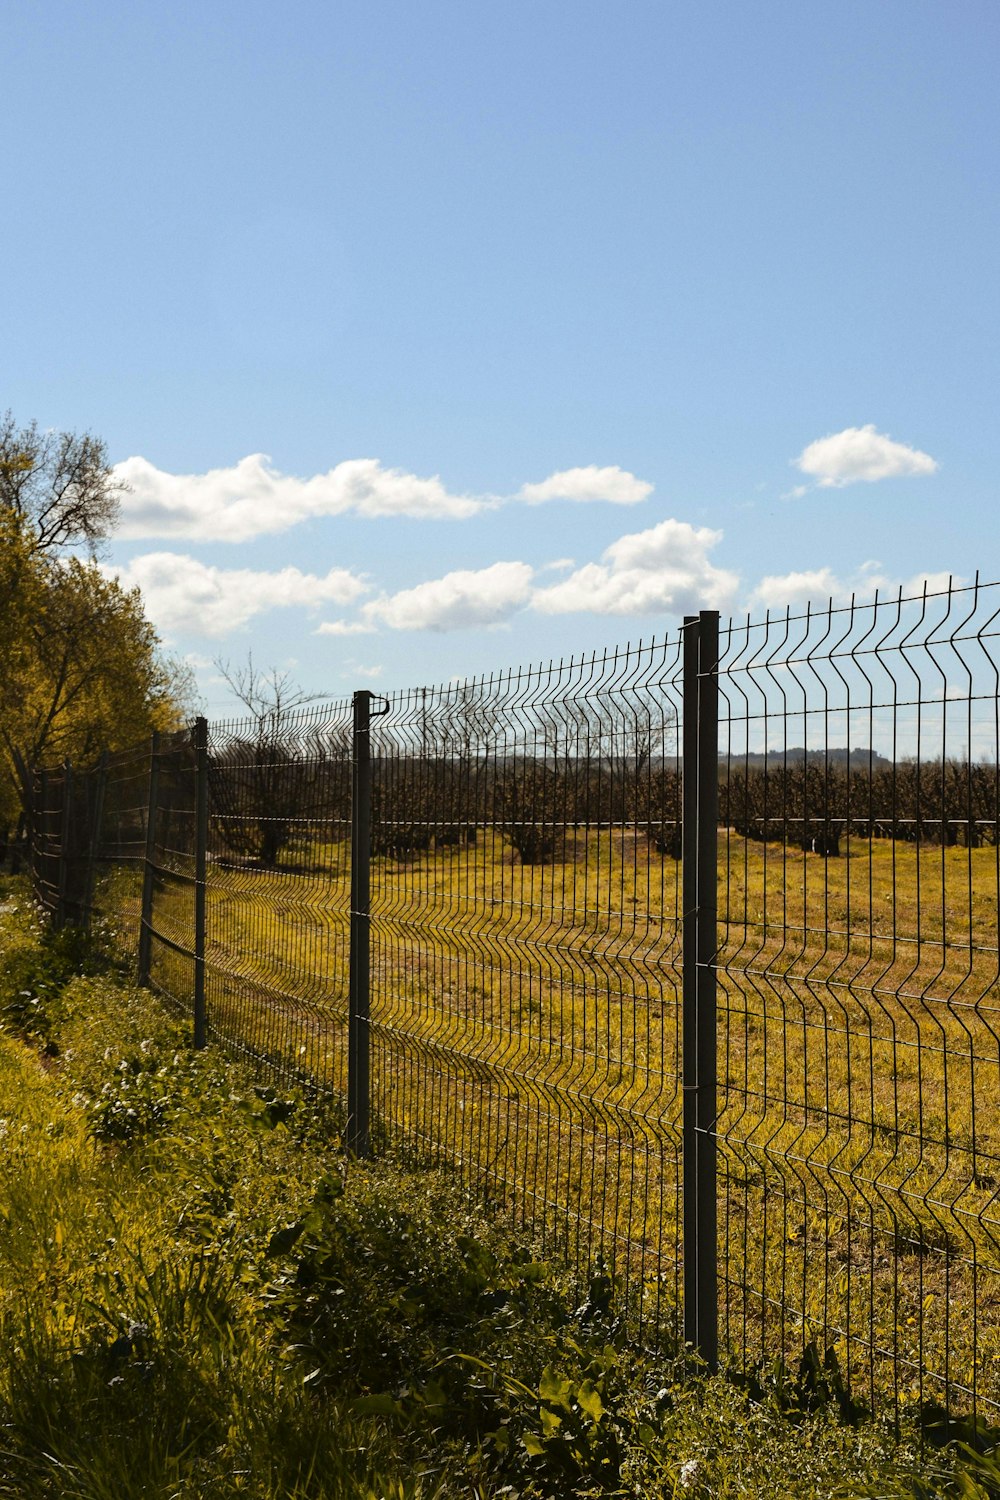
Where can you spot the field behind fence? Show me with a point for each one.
(686, 953)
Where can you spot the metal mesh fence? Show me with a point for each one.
(166, 950)
(525, 949)
(118, 844)
(47, 851)
(686, 952)
(278, 918)
(859, 1052)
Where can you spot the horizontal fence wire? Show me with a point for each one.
(526, 965)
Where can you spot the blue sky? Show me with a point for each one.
(551, 321)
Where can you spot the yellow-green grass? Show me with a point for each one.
(156, 1340)
(525, 1024)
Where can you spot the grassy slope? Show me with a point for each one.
(196, 1300)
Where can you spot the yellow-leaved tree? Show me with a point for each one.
(81, 669)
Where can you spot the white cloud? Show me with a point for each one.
(778, 590)
(820, 585)
(665, 570)
(458, 601)
(613, 485)
(252, 498)
(934, 583)
(860, 453)
(182, 594)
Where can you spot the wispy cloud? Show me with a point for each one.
(859, 454)
(665, 570)
(358, 672)
(662, 572)
(777, 590)
(253, 499)
(181, 594)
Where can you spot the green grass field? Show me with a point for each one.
(525, 1024)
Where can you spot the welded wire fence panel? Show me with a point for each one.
(525, 949)
(278, 913)
(115, 807)
(46, 838)
(64, 816)
(859, 1004)
(172, 860)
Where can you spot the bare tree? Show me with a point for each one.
(268, 696)
(265, 782)
(59, 485)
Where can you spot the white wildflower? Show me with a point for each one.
(688, 1476)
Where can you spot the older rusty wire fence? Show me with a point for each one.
(687, 953)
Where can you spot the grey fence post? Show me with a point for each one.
(200, 876)
(149, 865)
(65, 830)
(700, 947)
(357, 1140)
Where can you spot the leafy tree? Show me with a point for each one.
(81, 670)
(96, 680)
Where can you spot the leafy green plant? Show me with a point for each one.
(141, 1097)
(385, 1253)
(975, 1444)
(35, 970)
(816, 1384)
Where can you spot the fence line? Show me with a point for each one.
(687, 952)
